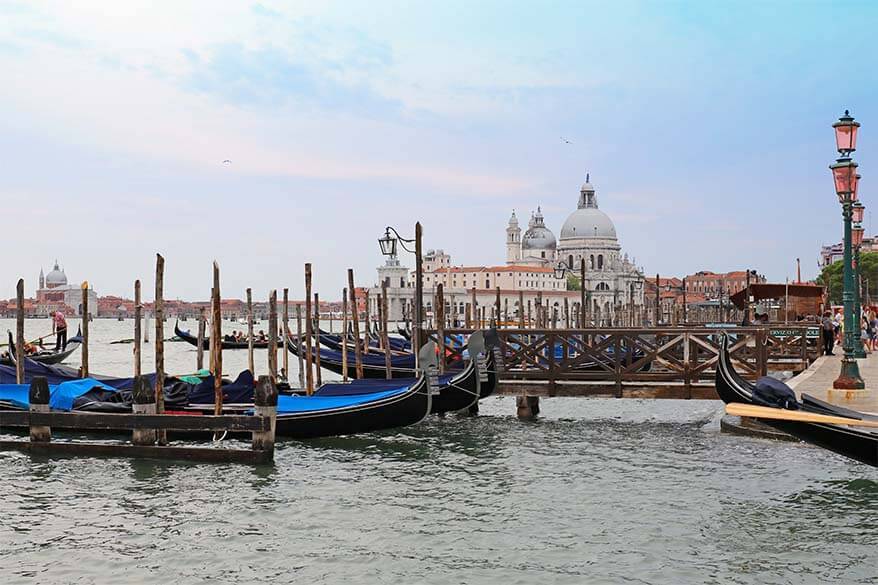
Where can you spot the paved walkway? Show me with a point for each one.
(817, 381)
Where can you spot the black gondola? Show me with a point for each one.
(45, 356)
(192, 339)
(851, 442)
(401, 366)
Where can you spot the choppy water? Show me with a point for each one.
(596, 491)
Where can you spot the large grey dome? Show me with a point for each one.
(588, 222)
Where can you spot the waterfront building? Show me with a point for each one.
(835, 252)
(55, 294)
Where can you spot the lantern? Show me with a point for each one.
(846, 134)
(387, 244)
(857, 235)
(844, 173)
(858, 212)
(560, 269)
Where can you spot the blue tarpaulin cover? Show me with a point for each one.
(296, 404)
(61, 396)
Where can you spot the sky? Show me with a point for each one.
(705, 126)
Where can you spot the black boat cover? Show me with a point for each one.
(771, 392)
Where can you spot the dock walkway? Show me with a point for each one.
(817, 381)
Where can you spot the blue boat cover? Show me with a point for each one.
(299, 404)
(370, 385)
(61, 396)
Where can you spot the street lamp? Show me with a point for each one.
(857, 233)
(844, 175)
(388, 248)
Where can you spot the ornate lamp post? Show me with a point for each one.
(388, 248)
(857, 233)
(844, 174)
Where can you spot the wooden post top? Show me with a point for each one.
(265, 392)
(39, 391)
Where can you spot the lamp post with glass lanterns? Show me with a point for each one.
(857, 233)
(844, 174)
(388, 248)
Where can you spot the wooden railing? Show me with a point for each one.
(669, 361)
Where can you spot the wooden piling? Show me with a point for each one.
(299, 346)
(527, 406)
(272, 335)
(521, 309)
(317, 369)
(251, 363)
(467, 315)
(344, 335)
(497, 307)
(506, 311)
(160, 337)
(475, 306)
(84, 350)
(582, 308)
(367, 334)
(137, 332)
(19, 332)
(440, 322)
(382, 319)
(265, 405)
(199, 352)
(216, 335)
(286, 334)
(38, 399)
(309, 358)
(143, 396)
(358, 359)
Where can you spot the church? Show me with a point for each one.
(54, 294)
(611, 279)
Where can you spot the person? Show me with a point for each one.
(873, 330)
(838, 319)
(827, 327)
(262, 335)
(59, 324)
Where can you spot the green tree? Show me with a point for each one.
(573, 282)
(832, 277)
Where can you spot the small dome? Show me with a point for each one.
(56, 277)
(538, 236)
(588, 222)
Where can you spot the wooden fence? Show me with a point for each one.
(673, 362)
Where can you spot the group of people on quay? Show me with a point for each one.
(832, 330)
(241, 337)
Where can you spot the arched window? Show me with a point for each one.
(570, 261)
(591, 262)
(602, 286)
(600, 261)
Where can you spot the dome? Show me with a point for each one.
(538, 236)
(56, 277)
(588, 222)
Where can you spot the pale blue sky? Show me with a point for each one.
(705, 127)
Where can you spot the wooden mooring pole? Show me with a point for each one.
(440, 325)
(382, 319)
(286, 334)
(344, 335)
(19, 333)
(309, 372)
(143, 396)
(521, 309)
(358, 359)
(317, 369)
(216, 335)
(272, 336)
(84, 350)
(199, 352)
(160, 338)
(299, 346)
(582, 307)
(368, 325)
(138, 309)
(38, 399)
(251, 364)
(265, 405)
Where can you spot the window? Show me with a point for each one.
(591, 262)
(487, 283)
(401, 282)
(570, 261)
(600, 261)
(543, 254)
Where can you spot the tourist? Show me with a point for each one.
(873, 330)
(59, 327)
(838, 319)
(262, 337)
(828, 330)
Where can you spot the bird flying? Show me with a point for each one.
(566, 141)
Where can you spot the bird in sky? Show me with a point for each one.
(227, 162)
(566, 141)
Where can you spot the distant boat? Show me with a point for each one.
(44, 356)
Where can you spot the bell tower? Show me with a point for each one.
(513, 240)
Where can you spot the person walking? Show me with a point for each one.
(59, 324)
(827, 327)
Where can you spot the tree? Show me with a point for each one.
(573, 282)
(832, 277)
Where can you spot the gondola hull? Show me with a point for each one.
(49, 358)
(856, 444)
(193, 340)
(396, 411)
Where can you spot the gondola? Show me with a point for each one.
(44, 356)
(401, 366)
(334, 341)
(192, 339)
(405, 333)
(851, 442)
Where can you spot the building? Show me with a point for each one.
(835, 252)
(612, 281)
(54, 294)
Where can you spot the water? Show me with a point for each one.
(596, 491)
